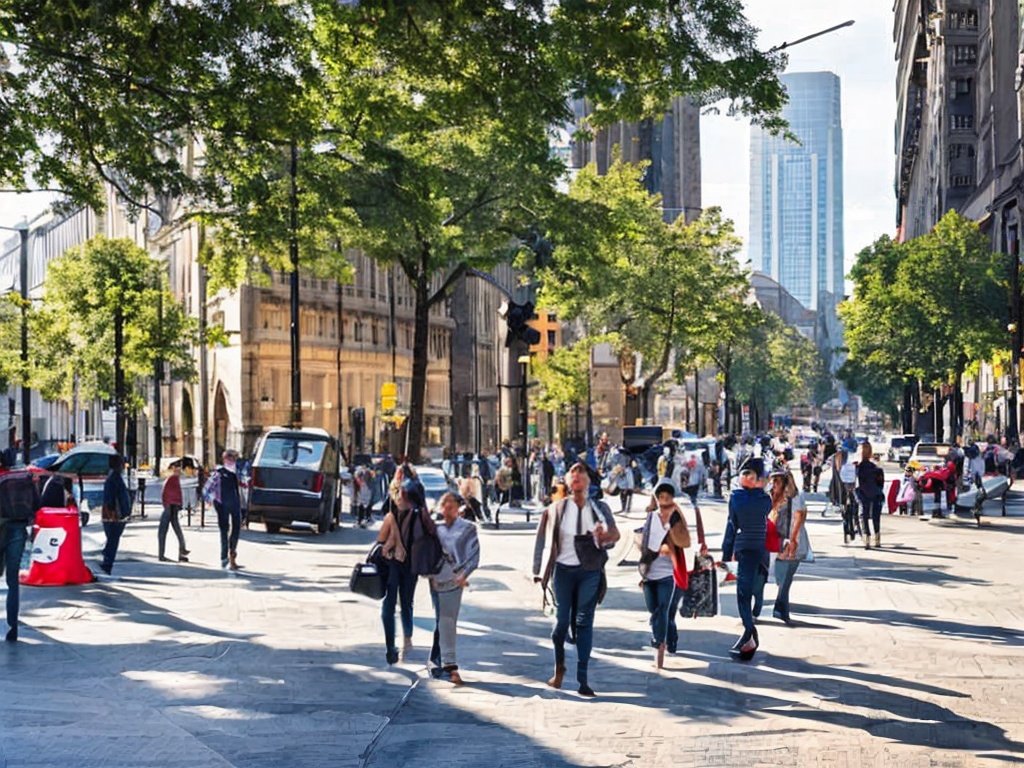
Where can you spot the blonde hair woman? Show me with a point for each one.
(789, 513)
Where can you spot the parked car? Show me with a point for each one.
(88, 464)
(928, 454)
(295, 479)
(901, 447)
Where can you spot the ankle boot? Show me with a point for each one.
(232, 562)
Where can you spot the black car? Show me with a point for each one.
(295, 480)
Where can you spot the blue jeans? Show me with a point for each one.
(576, 596)
(748, 564)
(785, 570)
(400, 589)
(230, 523)
(113, 531)
(12, 546)
(662, 598)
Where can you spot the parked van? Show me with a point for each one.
(295, 480)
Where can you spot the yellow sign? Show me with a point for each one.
(388, 396)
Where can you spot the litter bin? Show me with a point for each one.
(57, 550)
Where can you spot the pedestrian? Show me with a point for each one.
(117, 508)
(744, 538)
(461, 548)
(363, 496)
(576, 532)
(870, 494)
(663, 539)
(400, 581)
(171, 498)
(789, 513)
(472, 509)
(224, 487)
(19, 501)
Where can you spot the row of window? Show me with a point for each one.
(967, 19)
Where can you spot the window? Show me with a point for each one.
(960, 180)
(552, 318)
(551, 339)
(357, 330)
(963, 19)
(963, 122)
(375, 328)
(965, 54)
(957, 151)
(960, 86)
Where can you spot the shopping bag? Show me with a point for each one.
(701, 596)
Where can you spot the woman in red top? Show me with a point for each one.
(171, 499)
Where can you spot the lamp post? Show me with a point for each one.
(26, 393)
(293, 253)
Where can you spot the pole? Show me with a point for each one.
(293, 253)
(1012, 426)
(590, 404)
(26, 393)
(337, 366)
(158, 380)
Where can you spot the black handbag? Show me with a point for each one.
(700, 599)
(592, 557)
(368, 577)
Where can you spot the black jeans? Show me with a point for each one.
(230, 523)
(170, 518)
(871, 511)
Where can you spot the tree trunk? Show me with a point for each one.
(420, 351)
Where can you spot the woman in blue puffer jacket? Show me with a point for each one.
(744, 538)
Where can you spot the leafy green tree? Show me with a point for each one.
(12, 371)
(925, 309)
(776, 366)
(437, 118)
(105, 320)
(563, 378)
(622, 270)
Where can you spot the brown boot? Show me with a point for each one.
(555, 681)
(232, 562)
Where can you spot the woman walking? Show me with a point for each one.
(400, 585)
(744, 537)
(663, 540)
(789, 513)
(171, 498)
(870, 494)
(575, 532)
(461, 549)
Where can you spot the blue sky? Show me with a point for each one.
(864, 58)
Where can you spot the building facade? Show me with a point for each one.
(796, 193)
(958, 148)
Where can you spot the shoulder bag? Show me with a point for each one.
(592, 557)
(368, 577)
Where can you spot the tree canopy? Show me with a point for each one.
(421, 131)
(106, 318)
(923, 310)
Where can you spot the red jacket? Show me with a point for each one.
(171, 493)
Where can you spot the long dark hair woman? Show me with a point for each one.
(394, 538)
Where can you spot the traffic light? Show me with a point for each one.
(517, 318)
(358, 419)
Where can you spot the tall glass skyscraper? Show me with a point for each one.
(796, 194)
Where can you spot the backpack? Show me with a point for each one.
(426, 557)
(19, 497)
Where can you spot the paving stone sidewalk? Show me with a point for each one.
(909, 655)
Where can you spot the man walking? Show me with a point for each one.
(223, 486)
(117, 508)
(19, 500)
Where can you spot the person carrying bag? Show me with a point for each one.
(576, 533)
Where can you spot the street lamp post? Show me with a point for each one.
(26, 393)
(293, 253)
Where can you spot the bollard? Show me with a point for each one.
(142, 497)
(202, 497)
